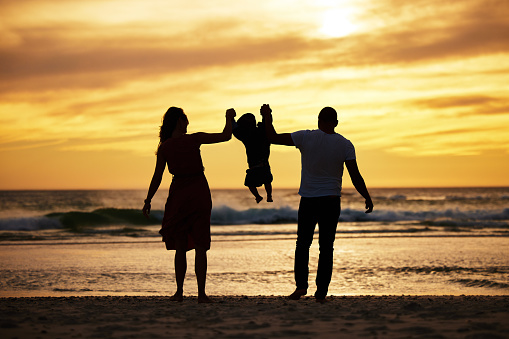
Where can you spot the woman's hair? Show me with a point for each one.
(170, 119)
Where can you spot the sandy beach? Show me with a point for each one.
(256, 317)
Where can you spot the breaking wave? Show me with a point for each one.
(224, 215)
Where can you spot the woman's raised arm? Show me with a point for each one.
(212, 138)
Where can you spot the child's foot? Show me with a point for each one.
(258, 199)
(269, 198)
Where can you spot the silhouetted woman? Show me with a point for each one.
(186, 221)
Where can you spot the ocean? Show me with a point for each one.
(417, 241)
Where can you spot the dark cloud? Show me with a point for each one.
(51, 60)
(81, 56)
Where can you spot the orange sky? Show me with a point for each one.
(420, 86)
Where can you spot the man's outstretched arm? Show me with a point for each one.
(358, 183)
(272, 135)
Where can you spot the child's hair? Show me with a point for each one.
(247, 120)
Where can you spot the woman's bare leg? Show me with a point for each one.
(200, 268)
(180, 268)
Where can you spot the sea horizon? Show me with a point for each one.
(245, 188)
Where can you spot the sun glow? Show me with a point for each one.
(337, 23)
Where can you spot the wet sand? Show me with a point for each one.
(256, 317)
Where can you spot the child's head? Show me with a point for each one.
(247, 120)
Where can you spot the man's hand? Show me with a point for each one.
(369, 206)
(230, 113)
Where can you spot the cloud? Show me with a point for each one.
(95, 55)
(467, 104)
(453, 132)
(435, 32)
(50, 59)
(29, 144)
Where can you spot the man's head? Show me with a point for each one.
(327, 119)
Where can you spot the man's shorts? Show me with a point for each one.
(257, 176)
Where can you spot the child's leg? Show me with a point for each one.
(257, 196)
(268, 189)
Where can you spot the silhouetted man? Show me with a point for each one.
(323, 153)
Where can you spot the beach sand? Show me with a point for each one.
(256, 317)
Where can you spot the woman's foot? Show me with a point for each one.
(177, 297)
(269, 198)
(297, 294)
(258, 199)
(204, 299)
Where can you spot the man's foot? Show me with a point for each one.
(177, 297)
(297, 294)
(269, 198)
(321, 300)
(204, 299)
(258, 199)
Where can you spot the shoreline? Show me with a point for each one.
(388, 316)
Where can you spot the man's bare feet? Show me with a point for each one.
(204, 299)
(269, 198)
(258, 199)
(297, 294)
(177, 297)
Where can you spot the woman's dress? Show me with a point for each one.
(188, 207)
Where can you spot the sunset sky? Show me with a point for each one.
(421, 87)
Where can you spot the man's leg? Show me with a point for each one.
(330, 209)
(306, 223)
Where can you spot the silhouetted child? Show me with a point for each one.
(258, 150)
